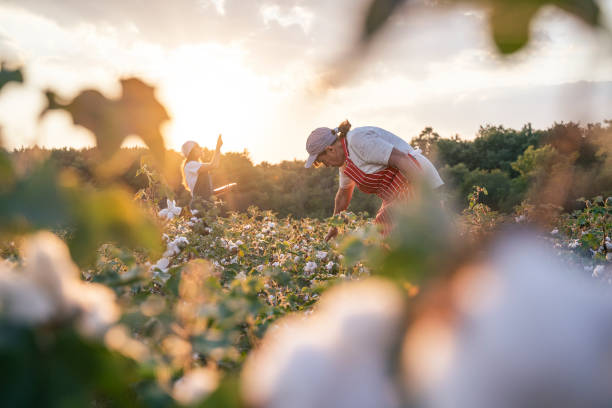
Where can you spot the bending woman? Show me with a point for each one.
(373, 159)
(196, 174)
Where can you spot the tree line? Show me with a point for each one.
(508, 162)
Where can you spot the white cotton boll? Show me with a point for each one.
(49, 266)
(520, 218)
(181, 241)
(239, 242)
(260, 268)
(259, 236)
(573, 244)
(310, 267)
(528, 332)
(171, 249)
(330, 265)
(162, 264)
(296, 259)
(246, 227)
(598, 271)
(276, 264)
(49, 287)
(554, 231)
(194, 386)
(271, 225)
(22, 301)
(97, 306)
(321, 255)
(337, 357)
(171, 211)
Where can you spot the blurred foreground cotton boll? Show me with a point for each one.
(339, 356)
(194, 386)
(522, 330)
(48, 287)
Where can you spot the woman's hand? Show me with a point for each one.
(219, 142)
(332, 233)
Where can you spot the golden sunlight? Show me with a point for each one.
(208, 90)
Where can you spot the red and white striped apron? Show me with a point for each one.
(389, 184)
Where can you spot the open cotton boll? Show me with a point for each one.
(49, 288)
(97, 307)
(531, 333)
(336, 357)
(48, 264)
(321, 255)
(21, 300)
(194, 386)
(170, 211)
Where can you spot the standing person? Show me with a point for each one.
(196, 174)
(373, 159)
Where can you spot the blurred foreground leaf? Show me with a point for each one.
(377, 15)
(419, 247)
(61, 369)
(509, 19)
(136, 112)
(45, 200)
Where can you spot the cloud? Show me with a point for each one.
(464, 113)
(260, 58)
(293, 16)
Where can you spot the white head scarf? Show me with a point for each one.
(188, 147)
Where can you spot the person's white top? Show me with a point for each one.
(370, 148)
(191, 174)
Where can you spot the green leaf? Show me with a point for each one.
(510, 22)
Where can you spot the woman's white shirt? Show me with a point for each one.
(191, 174)
(370, 148)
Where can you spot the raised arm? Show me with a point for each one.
(214, 163)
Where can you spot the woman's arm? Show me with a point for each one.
(214, 163)
(341, 203)
(406, 165)
(343, 198)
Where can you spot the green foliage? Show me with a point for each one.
(59, 368)
(590, 227)
(46, 199)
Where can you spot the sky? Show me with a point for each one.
(251, 70)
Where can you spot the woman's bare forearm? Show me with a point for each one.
(343, 199)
